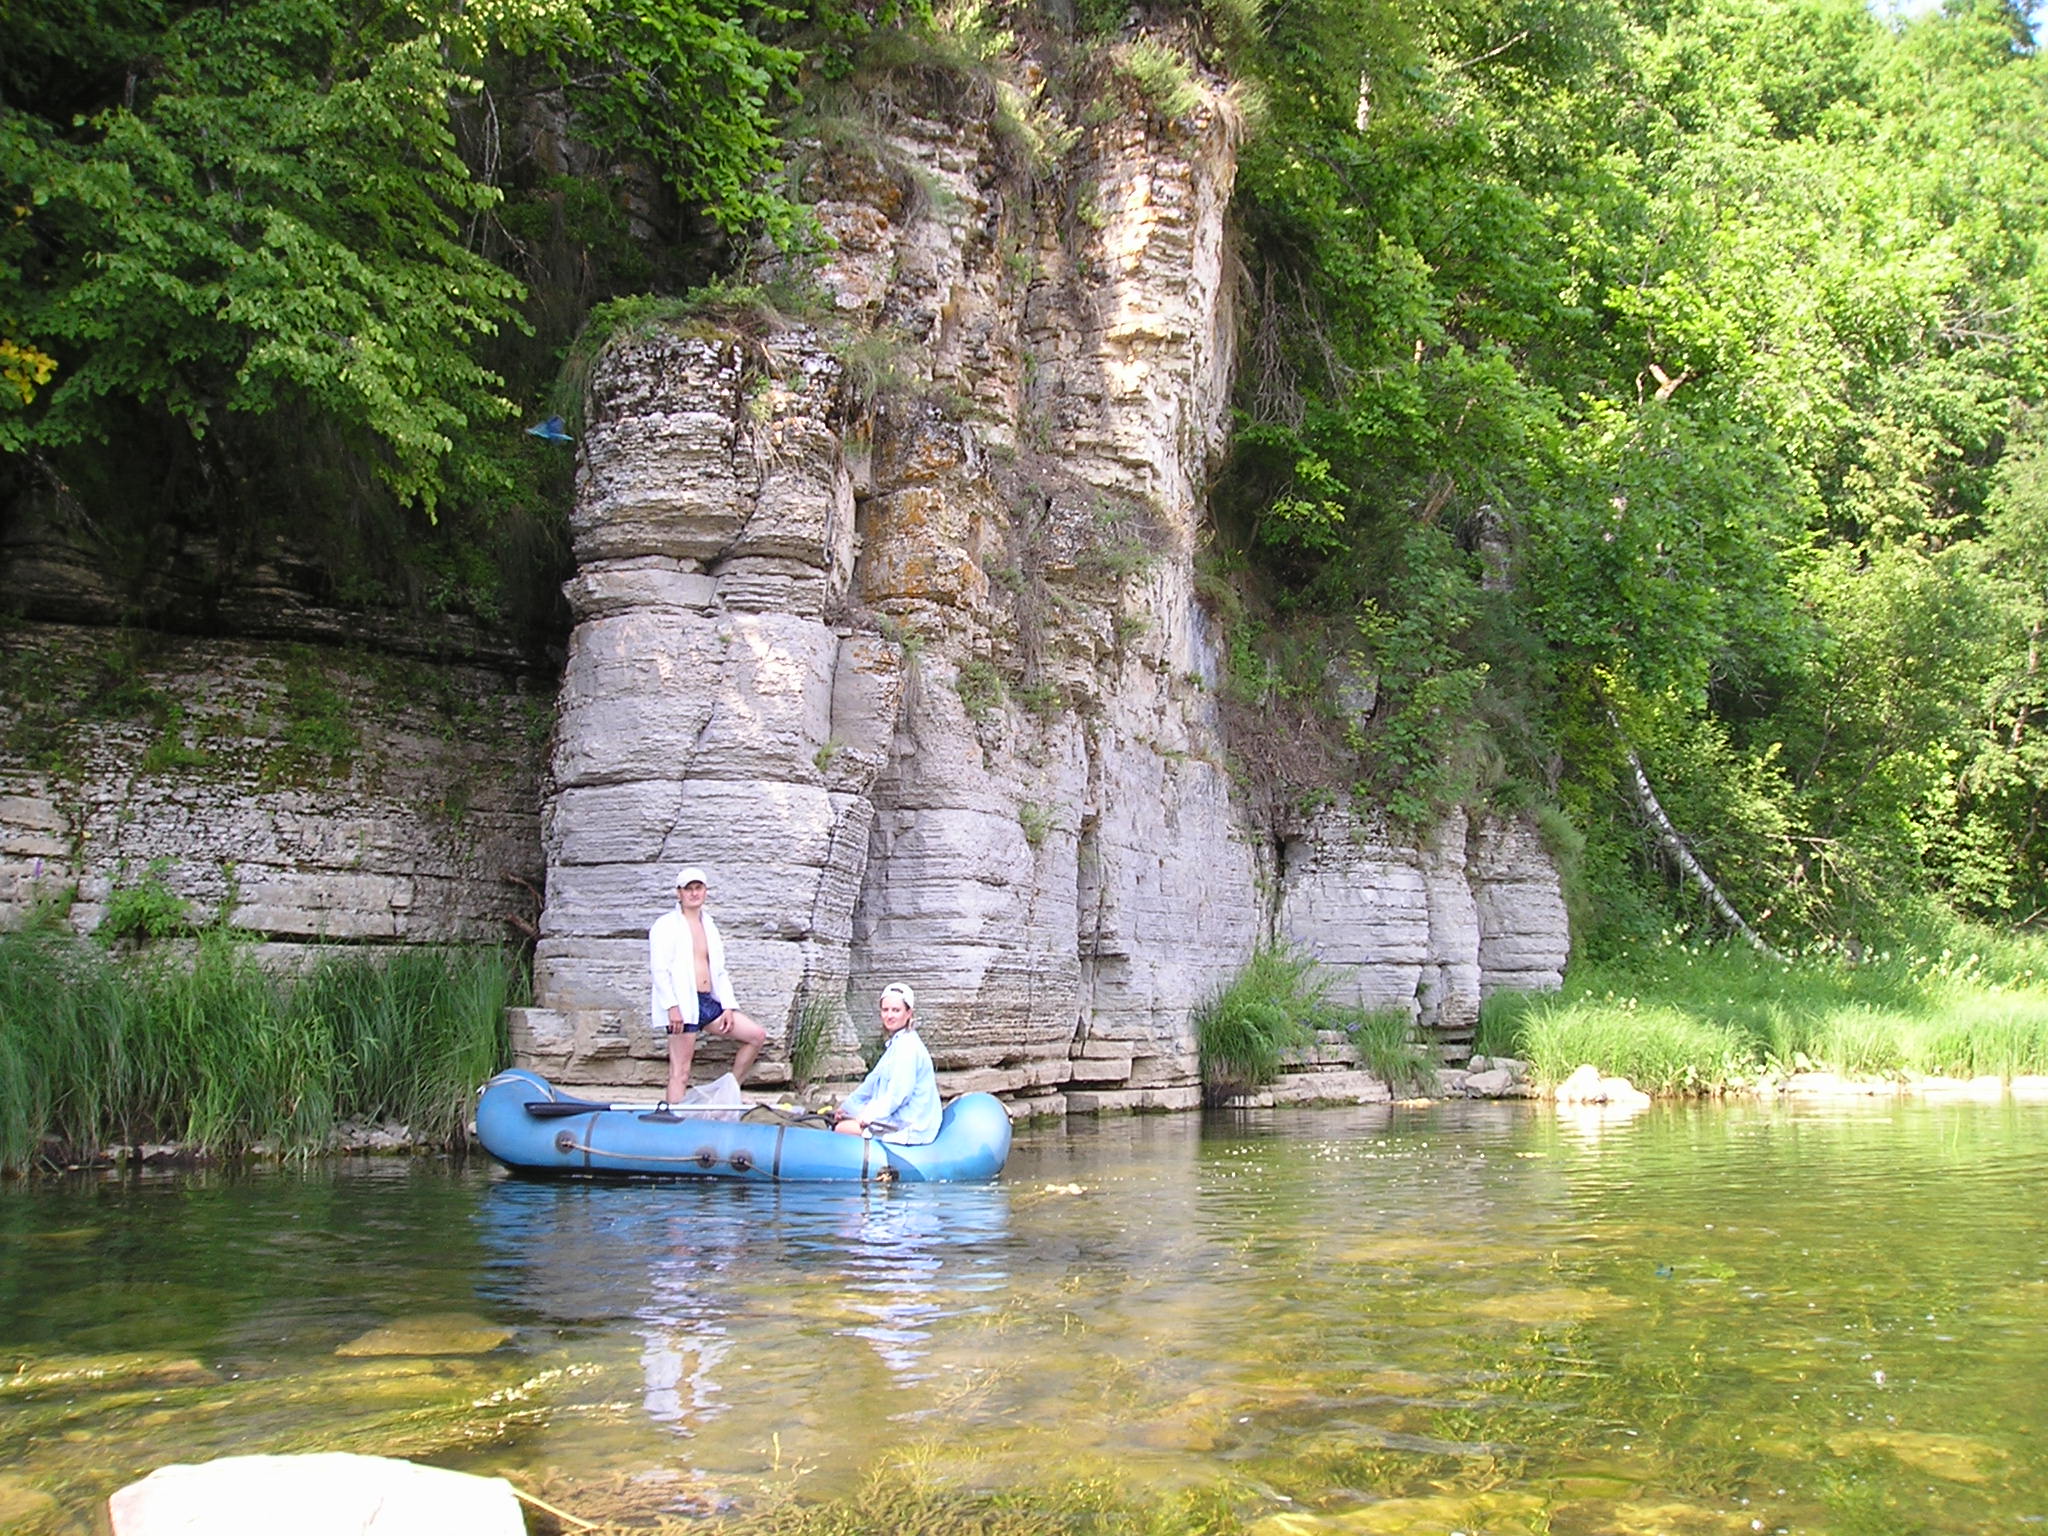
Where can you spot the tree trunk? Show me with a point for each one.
(1682, 856)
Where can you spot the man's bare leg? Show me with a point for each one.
(682, 1051)
(751, 1037)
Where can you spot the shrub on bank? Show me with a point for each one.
(206, 1048)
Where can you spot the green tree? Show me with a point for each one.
(298, 262)
(268, 214)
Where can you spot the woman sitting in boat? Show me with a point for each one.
(899, 1100)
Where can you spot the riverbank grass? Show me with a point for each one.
(1275, 1007)
(1245, 1031)
(202, 1046)
(1687, 1017)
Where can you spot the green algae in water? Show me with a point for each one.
(1818, 1319)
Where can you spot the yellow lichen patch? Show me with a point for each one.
(2028, 1299)
(1197, 1433)
(1269, 1394)
(430, 1333)
(1495, 1514)
(1560, 1305)
(1954, 1458)
(1397, 1384)
(391, 1378)
(1428, 1250)
(1593, 1480)
(1202, 1419)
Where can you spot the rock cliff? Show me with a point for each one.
(309, 794)
(920, 672)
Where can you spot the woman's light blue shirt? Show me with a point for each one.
(900, 1090)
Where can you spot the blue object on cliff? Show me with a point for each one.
(551, 431)
(527, 1123)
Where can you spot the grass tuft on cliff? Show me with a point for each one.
(1276, 1005)
(206, 1048)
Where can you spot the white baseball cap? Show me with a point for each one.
(690, 874)
(898, 990)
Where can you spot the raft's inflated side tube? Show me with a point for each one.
(973, 1141)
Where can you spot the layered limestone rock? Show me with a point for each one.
(709, 713)
(923, 680)
(308, 795)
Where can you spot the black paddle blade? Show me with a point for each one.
(561, 1109)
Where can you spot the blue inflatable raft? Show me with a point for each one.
(528, 1124)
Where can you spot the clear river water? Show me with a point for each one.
(1467, 1318)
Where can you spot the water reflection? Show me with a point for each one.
(682, 1323)
(709, 1275)
(893, 1257)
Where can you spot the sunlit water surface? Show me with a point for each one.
(1468, 1318)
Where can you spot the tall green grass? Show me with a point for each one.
(1384, 1040)
(1275, 1006)
(206, 1048)
(1245, 1031)
(817, 1019)
(1679, 1016)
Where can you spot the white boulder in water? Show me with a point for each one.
(1587, 1086)
(329, 1494)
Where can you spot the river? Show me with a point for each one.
(1471, 1317)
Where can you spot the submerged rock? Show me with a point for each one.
(1636, 1517)
(1985, 1087)
(328, 1494)
(431, 1333)
(1833, 1085)
(1561, 1304)
(22, 1506)
(103, 1372)
(1953, 1458)
(1498, 1514)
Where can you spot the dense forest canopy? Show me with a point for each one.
(1728, 318)
(1625, 382)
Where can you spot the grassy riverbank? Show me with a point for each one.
(205, 1048)
(1688, 1017)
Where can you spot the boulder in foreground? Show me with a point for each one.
(329, 1494)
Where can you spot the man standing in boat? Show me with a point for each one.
(692, 992)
